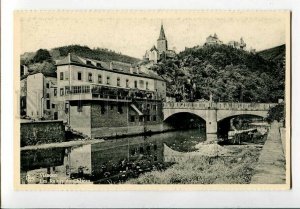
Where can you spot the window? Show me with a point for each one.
(120, 109)
(108, 80)
(98, 64)
(79, 76)
(79, 107)
(99, 79)
(147, 117)
(132, 118)
(61, 75)
(90, 77)
(48, 104)
(66, 75)
(66, 107)
(141, 84)
(147, 86)
(154, 117)
(55, 92)
(61, 91)
(67, 90)
(88, 62)
(47, 85)
(127, 83)
(118, 81)
(135, 84)
(141, 118)
(148, 107)
(53, 106)
(102, 109)
(132, 152)
(154, 107)
(47, 95)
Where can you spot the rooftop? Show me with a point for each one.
(113, 66)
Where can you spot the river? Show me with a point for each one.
(111, 161)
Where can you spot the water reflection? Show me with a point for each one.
(115, 161)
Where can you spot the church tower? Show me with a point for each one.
(162, 43)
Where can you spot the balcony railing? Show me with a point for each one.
(108, 92)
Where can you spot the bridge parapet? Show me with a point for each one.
(218, 105)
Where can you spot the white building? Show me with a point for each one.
(40, 96)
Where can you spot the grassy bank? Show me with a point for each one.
(236, 168)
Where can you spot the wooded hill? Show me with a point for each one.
(229, 74)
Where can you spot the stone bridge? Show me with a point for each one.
(213, 112)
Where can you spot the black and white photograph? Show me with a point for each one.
(163, 99)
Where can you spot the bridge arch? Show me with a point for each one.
(221, 115)
(183, 120)
(169, 112)
(167, 116)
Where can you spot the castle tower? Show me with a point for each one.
(162, 43)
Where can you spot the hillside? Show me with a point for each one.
(97, 53)
(229, 74)
(275, 54)
(84, 51)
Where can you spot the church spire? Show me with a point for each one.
(162, 35)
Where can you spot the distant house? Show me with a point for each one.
(213, 40)
(162, 51)
(238, 45)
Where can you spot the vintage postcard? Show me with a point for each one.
(152, 100)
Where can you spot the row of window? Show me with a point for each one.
(119, 108)
(147, 118)
(147, 107)
(108, 81)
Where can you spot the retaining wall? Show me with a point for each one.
(42, 132)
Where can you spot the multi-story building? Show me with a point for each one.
(213, 40)
(102, 99)
(39, 95)
(237, 45)
(162, 51)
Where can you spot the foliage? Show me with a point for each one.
(229, 74)
(276, 113)
(275, 54)
(206, 170)
(97, 53)
(41, 56)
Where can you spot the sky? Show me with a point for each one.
(132, 34)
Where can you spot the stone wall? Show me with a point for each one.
(80, 117)
(106, 114)
(42, 132)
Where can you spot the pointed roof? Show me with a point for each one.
(162, 35)
(153, 48)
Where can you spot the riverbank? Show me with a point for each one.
(233, 167)
(271, 168)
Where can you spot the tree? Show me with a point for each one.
(41, 56)
(276, 113)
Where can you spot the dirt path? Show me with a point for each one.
(271, 163)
